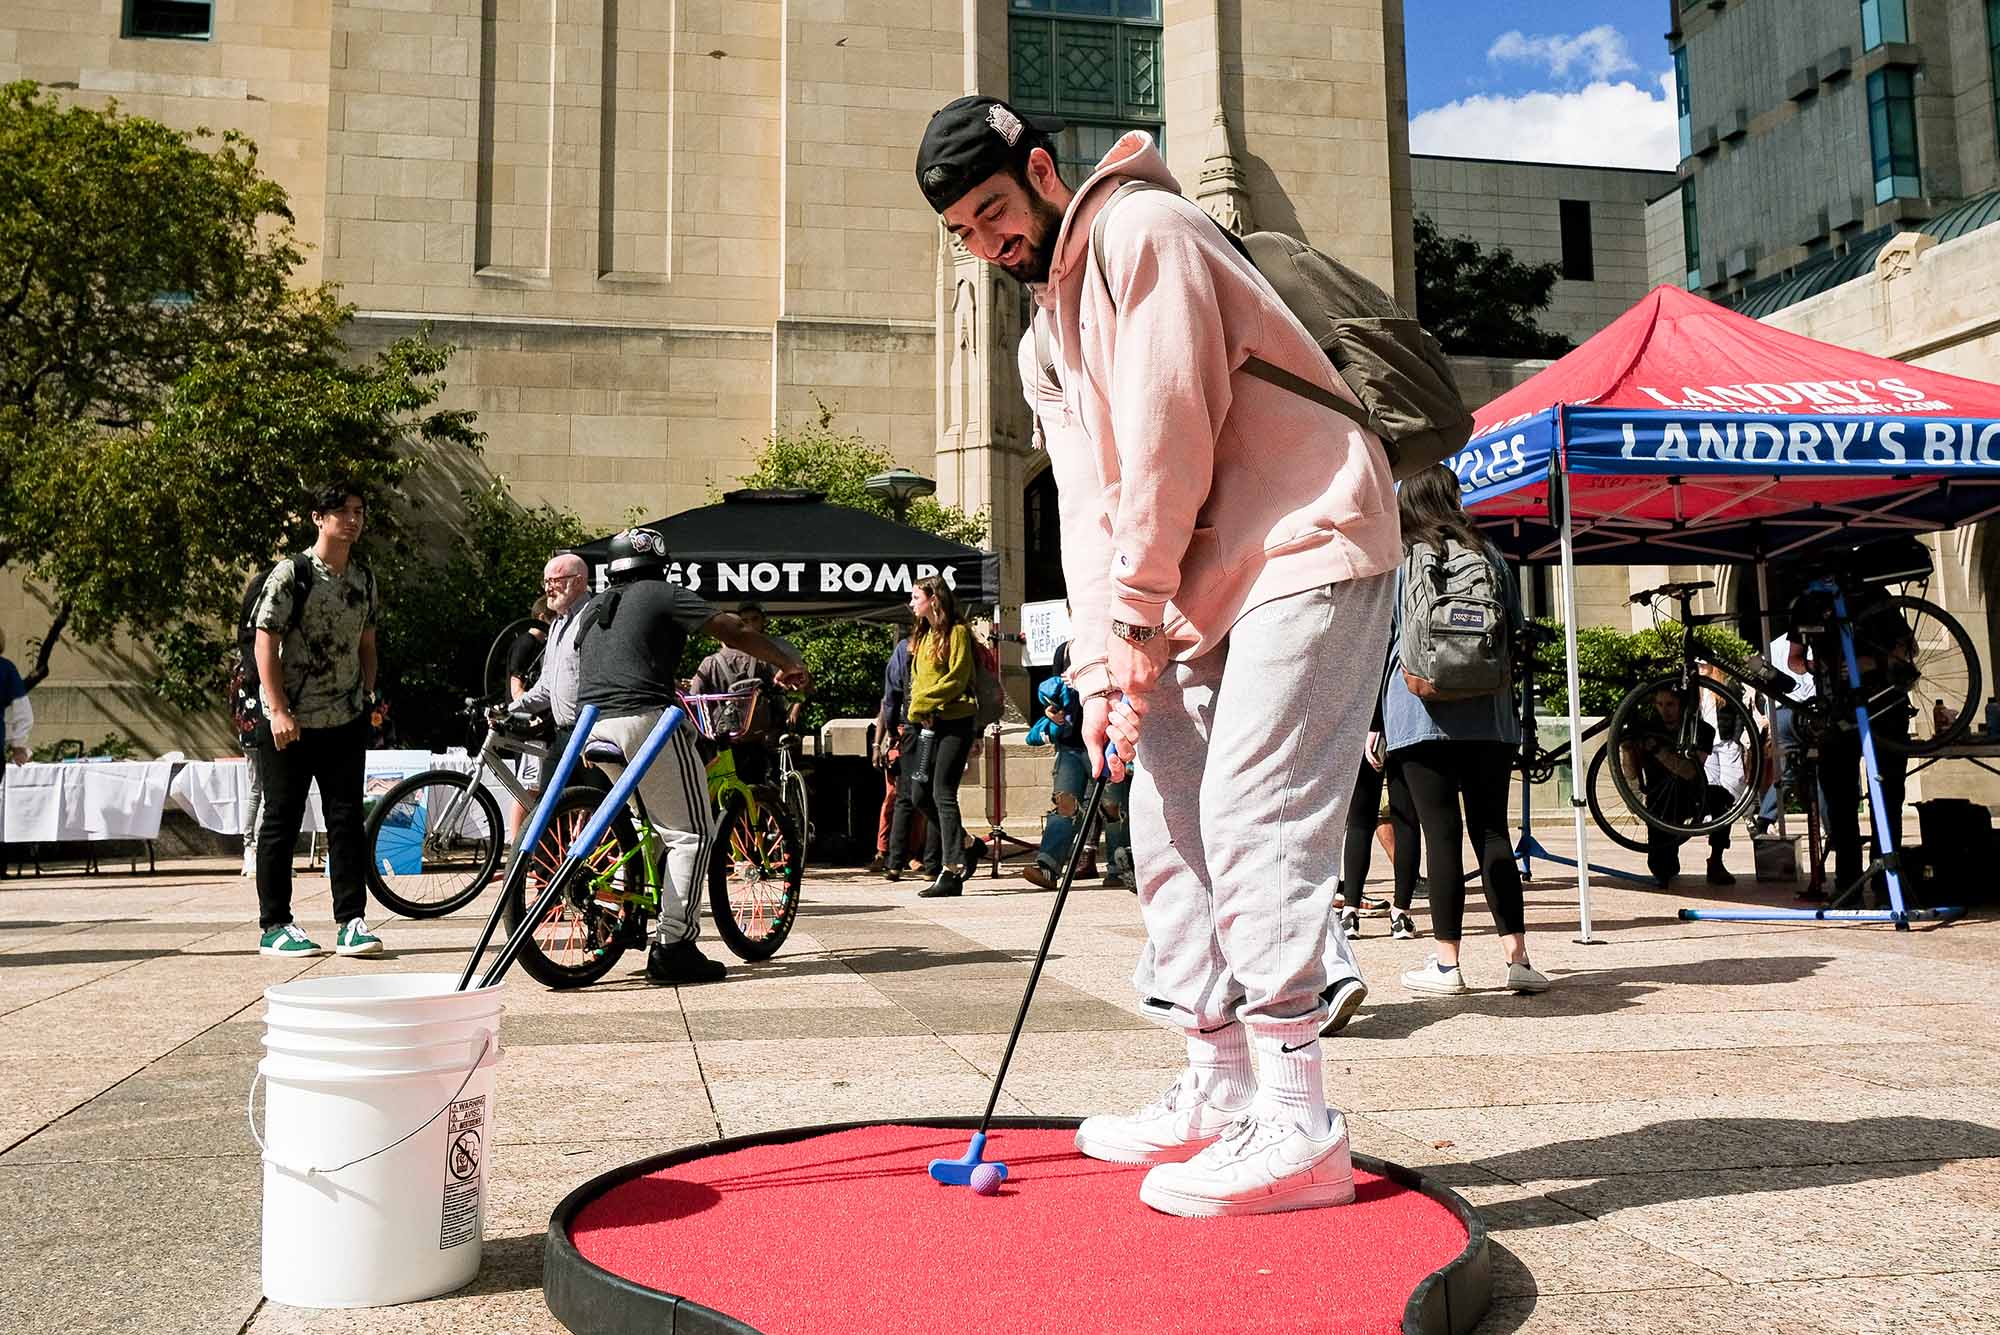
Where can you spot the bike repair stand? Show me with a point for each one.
(1889, 863)
(1001, 845)
(1527, 848)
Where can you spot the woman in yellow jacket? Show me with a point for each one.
(942, 704)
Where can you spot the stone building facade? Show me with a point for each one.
(1589, 221)
(658, 229)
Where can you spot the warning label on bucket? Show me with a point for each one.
(465, 1128)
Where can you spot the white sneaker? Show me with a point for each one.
(1260, 1166)
(1348, 994)
(1430, 976)
(1402, 926)
(1170, 1128)
(1350, 923)
(1525, 977)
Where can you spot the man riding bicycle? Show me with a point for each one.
(629, 648)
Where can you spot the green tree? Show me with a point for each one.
(1481, 303)
(168, 396)
(846, 657)
(443, 608)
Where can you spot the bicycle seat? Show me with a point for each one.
(603, 751)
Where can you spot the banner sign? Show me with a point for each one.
(1512, 455)
(845, 581)
(1614, 440)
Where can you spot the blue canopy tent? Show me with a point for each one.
(1686, 432)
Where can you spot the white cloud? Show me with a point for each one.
(1599, 52)
(1602, 124)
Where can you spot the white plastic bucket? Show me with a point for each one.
(378, 1120)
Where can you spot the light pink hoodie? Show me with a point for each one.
(1189, 493)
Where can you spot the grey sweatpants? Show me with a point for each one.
(675, 793)
(1247, 763)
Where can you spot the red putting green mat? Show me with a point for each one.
(844, 1232)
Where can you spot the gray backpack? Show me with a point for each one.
(1456, 635)
(1398, 371)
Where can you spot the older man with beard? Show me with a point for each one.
(1229, 549)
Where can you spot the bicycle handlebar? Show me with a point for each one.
(1679, 589)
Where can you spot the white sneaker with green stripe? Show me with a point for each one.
(288, 940)
(356, 939)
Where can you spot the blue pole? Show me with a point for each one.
(531, 833)
(600, 821)
(1886, 840)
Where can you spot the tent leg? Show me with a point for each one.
(1576, 766)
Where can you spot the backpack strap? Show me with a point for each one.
(1252, 366)
(1045, 353)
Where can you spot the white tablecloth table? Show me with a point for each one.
(84, 801)
(217, 792)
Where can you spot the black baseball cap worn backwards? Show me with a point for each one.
(967, 141)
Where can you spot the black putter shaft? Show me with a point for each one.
(1048, 938)
(529, 922)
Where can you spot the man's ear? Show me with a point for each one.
(1043, 175)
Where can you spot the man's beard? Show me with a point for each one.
(1033, 267)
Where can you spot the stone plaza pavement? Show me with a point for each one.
(1704, 1128)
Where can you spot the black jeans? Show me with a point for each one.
(1363, 814)
(1438, 777)
(1840, 782)
(936, 793)
(337, 758)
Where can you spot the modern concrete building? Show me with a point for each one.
(1589, 220)
(657, 229)
(1812, 131)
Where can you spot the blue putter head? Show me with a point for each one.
(958, 1172)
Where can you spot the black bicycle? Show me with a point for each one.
(1906, 648)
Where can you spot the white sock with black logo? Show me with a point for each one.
(1220, 1061)
(1291, 1082)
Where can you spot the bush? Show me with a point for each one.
(1611, 662)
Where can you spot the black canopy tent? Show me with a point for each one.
(800, 556)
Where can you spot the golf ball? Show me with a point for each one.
(986, 1179)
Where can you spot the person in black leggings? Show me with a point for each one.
(1456, 752)
(1364, 825)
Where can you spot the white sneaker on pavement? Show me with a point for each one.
(1525, 977)
(1260, 1166)
(1172, 1127)
(1350, 923)
(1430, 976)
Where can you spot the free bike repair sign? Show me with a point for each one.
(464, 1171)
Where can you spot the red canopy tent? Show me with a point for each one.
(1684, 431)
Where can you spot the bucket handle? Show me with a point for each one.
(250, 1115)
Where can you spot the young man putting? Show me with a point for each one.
(1230, 551)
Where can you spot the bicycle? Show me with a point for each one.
(435, 839)
(1538, 763)
(1906, 645)
(756, 866)
(791, 785)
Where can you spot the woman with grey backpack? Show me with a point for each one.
(1448, 719)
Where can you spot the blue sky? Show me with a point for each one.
(1542, 81)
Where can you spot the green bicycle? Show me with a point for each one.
(755, 869)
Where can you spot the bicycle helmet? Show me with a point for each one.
(637, 553)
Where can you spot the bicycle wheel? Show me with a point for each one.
(754, 873)
(1935, 683)
(416, 866)
(586, 929)
(795, 806)
(1650, 740)
(1606, 802)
